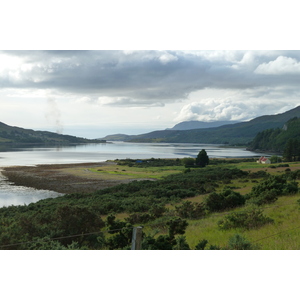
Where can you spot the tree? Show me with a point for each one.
(202, 159)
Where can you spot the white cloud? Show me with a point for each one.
(167, 57)
(236, 105)
(281, 65)
(213, 110)
(123, 101)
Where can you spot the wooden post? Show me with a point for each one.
(136, 238)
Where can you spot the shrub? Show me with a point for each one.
(277, 184)
(181, 243)
(238, 242)
(264, 198)
(248, 219)
(201, 245)
(225, 200)
(190, 210)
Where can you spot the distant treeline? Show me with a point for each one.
(284, 140)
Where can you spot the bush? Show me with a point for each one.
(276, 184)
(189, 210)
(225, 200)
(238, 242)
(265, 197)
(248, 219)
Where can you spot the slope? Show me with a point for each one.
(239, 133)
(12, 134)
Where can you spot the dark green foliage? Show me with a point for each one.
(49, 244)
(181, 243)
(139, 218)
(286, 140)
(247, 219)
(12, 134)
(266, 197)
(227, 199)
(168, 242)
(78, 214)
(177, 226)
(292, 150)
(275, 159)
(238, 242)
(273, 186)
(188, 162)
(258, 174)
(121, 233)
(201, 245)
(202, 159)
(189, 210)
(163, 242)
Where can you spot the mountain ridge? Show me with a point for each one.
(188, 125)
(17, 135)
(234, 134)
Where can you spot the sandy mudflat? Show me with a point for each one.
(64, 178)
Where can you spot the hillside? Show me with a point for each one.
(17, 135)
(276, 139)
(187, 125)
(234, 134)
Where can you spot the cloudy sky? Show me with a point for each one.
(94, 93)
(99, 92)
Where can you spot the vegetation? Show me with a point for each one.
(16, 135)
(284, 140)
(202, 159)
(225, 205)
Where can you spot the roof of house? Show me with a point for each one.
(263, 159)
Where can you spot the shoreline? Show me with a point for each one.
(62, 178)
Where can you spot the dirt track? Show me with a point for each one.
(66, 178)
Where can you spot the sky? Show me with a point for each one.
(87, 70)
(99, 92)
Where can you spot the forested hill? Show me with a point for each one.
(17, 135)
(239, 133)
(276, 139)
(187, 125)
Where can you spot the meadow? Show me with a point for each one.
(229, 204)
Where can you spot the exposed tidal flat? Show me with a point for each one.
(43, 172)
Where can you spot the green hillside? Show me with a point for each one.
(17, 135)
(276, 139)
(239, 133)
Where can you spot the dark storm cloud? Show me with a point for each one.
(150, 77)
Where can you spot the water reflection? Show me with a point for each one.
(19, 195)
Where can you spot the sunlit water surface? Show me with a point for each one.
(17, 195)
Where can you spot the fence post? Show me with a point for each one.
(136, 238)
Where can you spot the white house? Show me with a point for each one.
(263, 160)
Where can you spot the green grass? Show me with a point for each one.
(135, 172)
(283, 234)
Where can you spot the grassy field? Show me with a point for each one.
(115, 171)
(283, 233)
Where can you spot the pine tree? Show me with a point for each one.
(202, 159)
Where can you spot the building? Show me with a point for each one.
(263, 160)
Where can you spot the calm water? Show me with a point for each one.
(14, 195)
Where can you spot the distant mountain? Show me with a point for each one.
(187, 125)
(17, 135)
(118, 137)
(234, 134)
